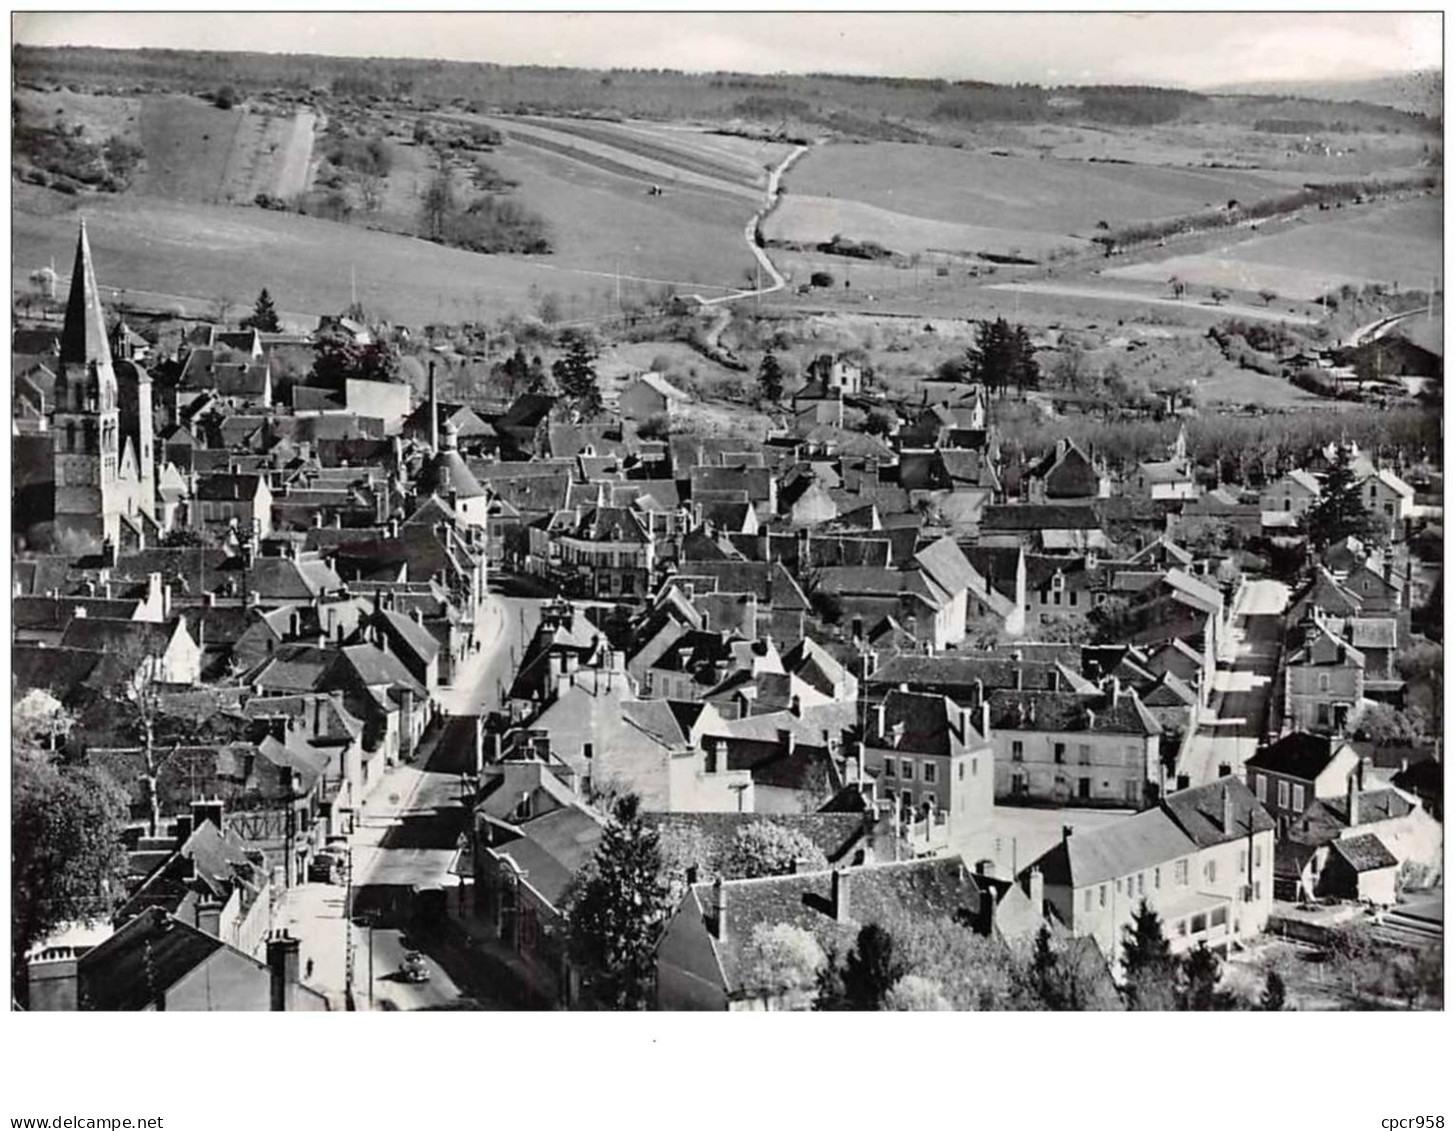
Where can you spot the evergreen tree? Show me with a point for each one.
(871, 969)
(1339, 511)
(1046, 983)
(1273, 993)
(617, 912)
(770, 378)
(264, 316)
(575, 375)
(1147, 963)
(1001, 356)
(1200, 974)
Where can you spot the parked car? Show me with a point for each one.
(413, 968)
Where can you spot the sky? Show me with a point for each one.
(1169, 48)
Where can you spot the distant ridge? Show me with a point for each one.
(1420, 92)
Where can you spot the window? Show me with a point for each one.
(1198, 924)
(1060, 752)
(888, 767)
(1298, 799)
(906, 769)
(1283, 795)
(1083, 753)
(1260, 783)
(1056, 597)
(1242, 861)
(1323, 714)
(1119, 885)
(586, 750)
(1073, 592)
(1141, 883)
(974, 768)
(1257, 890)
(907, 800)
(1257, 856)
(1157, 879)
(1389, 509)
(1323, 681)
(1101, 893)
(1180, 871)
(1088, 899)
(1017, 751)
(962, 771)
(1210, 871)
(1373, 491)
(929, 771)
(1182, 928)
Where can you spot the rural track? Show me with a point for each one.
(1379, 327)
(750, 233)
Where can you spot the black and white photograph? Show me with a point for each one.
(731, 512)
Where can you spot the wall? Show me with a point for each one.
(1303, 694)
(1120, 764)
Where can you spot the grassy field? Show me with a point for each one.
(196, 152)
(164, 252)
(1399, 242)
(817, 219)
(1044, 196)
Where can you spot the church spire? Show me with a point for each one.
(83, 338)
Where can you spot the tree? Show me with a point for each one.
(1147, 963)
(616, 912)
(1273, 997)
(264, 316)
(1001, 356)
(1179, 288)
(1267, 295)
(68, 862)
(437, 204)
(770, 378)
(1111, 621)
(880, 422)
(575, 375)
(917, 994)
(766, 848)
(1200, 974)
(782, 962)
(871, 968)
(1070, 977)
(1339, 511)
(1219, 295)
(1386, 725)
(337, 358)
(220, 307)
(225, 98)
(1422, 667)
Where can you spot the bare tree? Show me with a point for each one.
(221, 307)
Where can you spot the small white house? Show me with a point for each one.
(649, 395)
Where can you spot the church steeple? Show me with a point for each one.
(83, 338)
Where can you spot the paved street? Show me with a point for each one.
(406, 837)
(1242, 685)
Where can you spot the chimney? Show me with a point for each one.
(985, 721)
(1116, 690)
(209, 917)
(1227, 810)
(283, 969)
(839, 895)
(787, 740)
(1020, 676)
(182, 829)
(985, 920)
(965, 715)
(1066, 831)
(1354, 796)
(53, 985)
(795, 706)
(1037, 890)
(718, 925)
(879, 719)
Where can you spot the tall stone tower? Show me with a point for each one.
(86, 427)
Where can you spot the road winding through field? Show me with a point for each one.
(750, 233)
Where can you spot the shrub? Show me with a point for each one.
(821, 279)
(225, 98)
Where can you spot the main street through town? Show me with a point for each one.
(406, 839)
(1242, 689)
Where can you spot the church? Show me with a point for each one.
(97, 433)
